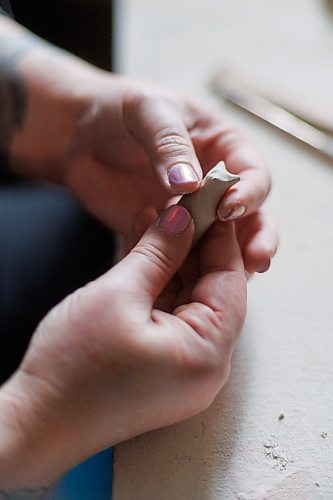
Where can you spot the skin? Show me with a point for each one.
(120, 137)
(106, 354)
(153, 337)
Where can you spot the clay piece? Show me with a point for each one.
(203, 204)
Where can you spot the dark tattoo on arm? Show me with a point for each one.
(13, 92)
(25, 494)
(13, 98)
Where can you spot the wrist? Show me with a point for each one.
(54, 109)
(32, 445)
(42, 94)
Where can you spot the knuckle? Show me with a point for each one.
(92, 301)
(157, 257)
(209, 323)
(172, 143)
(156, 96)
(205, 361)
(212, 374)
(208, 365)
(152, 97)
(228, 137)
(75, 304)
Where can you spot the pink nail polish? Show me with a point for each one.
(233, 214)
(174, 220)
(182, 178)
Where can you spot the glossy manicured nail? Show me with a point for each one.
(182, 177)
(236, 212)
(174, 220)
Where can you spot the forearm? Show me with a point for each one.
(24, 446)
(44, 427)
(40, 100)
(35, 448)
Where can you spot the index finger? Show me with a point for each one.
(241, 158)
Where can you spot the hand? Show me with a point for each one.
(108, 363)
(122, 145)
(139, 144)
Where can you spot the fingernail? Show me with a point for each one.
(182, 178)
(174, 220)
(236, 212)
(265, 266)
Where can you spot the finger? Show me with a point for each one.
(152, 263)
(143, 219)
(157, 123)
(259, 241)
(241, 159)
(247, 196)
(220, 294)
(220, 251)
(166, 300)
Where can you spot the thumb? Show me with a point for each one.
(161, 251)
(157, 123)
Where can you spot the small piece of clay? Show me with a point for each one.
(203, 204)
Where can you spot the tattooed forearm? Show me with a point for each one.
(35, 87)
(25, 494)
(13, 88)
(13, 98)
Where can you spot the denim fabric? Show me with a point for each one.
(49, 246)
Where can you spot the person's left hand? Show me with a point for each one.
(139, 144)
(123, 146)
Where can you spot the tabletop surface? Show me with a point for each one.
(240, 448)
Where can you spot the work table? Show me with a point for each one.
(269, 433)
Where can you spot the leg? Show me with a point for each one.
(49, 247)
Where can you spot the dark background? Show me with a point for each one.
(80, 26)
(49, 245)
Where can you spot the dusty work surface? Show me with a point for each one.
(269, 433)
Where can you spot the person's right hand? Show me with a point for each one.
(139, 348)
(122, 145)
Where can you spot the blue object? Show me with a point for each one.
(91, 480)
